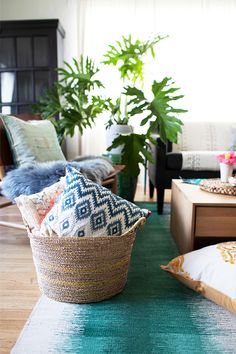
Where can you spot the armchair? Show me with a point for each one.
(194, 155)
(7, 162)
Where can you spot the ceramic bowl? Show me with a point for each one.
(232, 181)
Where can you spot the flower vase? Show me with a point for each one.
(226, 171)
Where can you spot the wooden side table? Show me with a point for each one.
(111, 181)
(196, 214)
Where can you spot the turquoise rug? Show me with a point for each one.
(154, 314)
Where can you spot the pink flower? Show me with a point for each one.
(229, 158)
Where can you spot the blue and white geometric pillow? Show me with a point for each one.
(88, 209)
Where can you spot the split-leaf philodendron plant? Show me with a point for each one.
(158, 113)
(72, 99)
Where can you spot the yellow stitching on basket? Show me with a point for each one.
(76, 284)
(75, 269)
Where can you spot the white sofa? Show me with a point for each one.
(194, 156)
(200, 142)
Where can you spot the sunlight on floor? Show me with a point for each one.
(141, 197)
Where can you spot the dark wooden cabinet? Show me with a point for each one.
(30, 52)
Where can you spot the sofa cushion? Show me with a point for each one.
(32, 141)
(193, 161)
(211, 271)
(88, 209)
(204, 136)
(200, 160)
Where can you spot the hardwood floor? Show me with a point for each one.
(18, 285)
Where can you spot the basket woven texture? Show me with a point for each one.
(215, 185)
(83, 270)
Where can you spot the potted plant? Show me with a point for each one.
(72, 98)
(116, 125)
(127, 56)
(157, 113)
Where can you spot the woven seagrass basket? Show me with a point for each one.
(214, 185)
(83, 270)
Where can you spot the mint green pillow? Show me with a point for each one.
(32, 141)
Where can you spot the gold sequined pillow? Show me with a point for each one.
(211, 271)
(35, 207)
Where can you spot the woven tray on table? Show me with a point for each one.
(83, 269)
(216, 186)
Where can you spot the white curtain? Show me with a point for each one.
(200, 53)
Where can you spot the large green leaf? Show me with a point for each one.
(161, 107)
(80, 76)
(137, 101)
(135, 150)
(49, 104)
(160, 114)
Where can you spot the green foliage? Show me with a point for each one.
(159, 114)
(167, 123)
(71, 98)
(49, 106)
(81, 76)
(160, 108)
(128, 56)
(135, 150)
(116, 116)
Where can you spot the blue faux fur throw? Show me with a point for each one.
(33, 178)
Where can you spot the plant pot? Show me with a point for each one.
(113, 132)
(126, 186)
(226, 171)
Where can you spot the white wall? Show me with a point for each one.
(64, 10)
(200, 53)
(67, 13)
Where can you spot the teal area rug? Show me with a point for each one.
(154, 314)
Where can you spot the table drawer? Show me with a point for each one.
(215, 222)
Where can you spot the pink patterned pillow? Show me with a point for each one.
(34, 207)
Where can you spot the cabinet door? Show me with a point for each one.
(28, 61)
